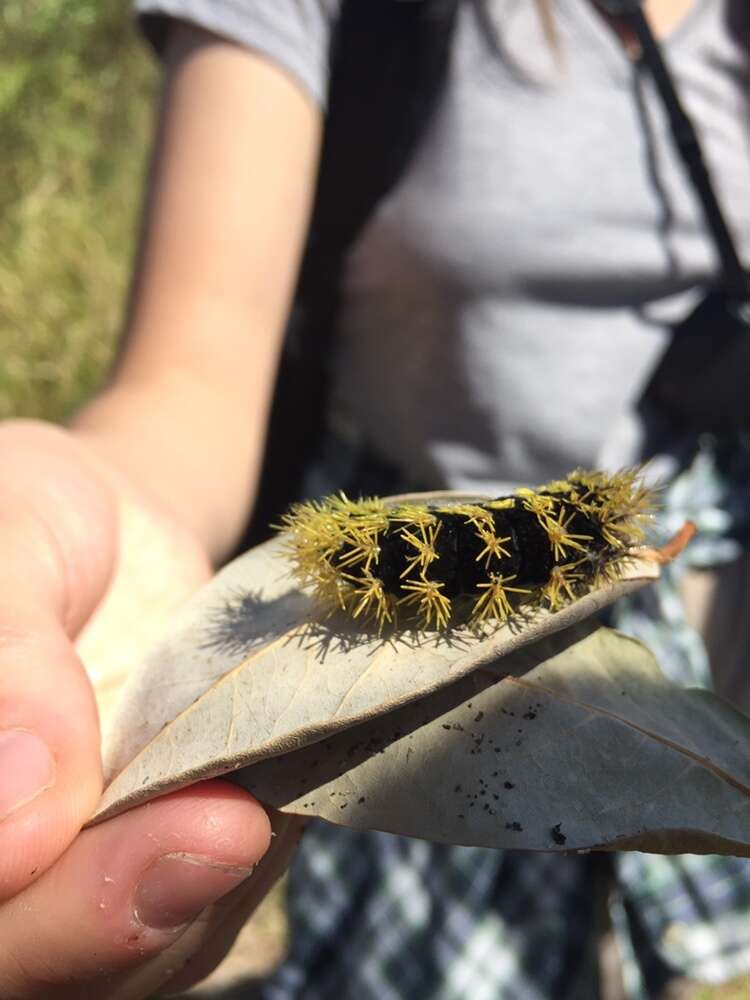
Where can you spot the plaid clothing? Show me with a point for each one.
(375, 915)
(379, 917)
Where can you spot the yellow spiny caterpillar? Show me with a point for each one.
(474, 561)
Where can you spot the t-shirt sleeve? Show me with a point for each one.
(294, 34)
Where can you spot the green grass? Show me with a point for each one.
(76, 100)
(738, 990)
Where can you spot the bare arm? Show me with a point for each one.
(185, 414)
(154, 480)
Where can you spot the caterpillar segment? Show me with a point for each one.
(443, 564)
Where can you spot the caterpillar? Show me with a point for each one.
(468, 562)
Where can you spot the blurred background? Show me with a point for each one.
(77, 95)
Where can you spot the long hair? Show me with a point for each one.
(544, 9)
(490, 24)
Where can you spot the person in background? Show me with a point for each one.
(502, 312)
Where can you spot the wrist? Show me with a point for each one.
(168, 445)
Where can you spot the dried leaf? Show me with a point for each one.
(242, 676)
(549, 733)
(588, 747)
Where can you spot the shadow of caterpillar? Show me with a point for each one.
(468, 562)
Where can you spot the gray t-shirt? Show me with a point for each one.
(506, 303)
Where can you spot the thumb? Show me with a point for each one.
(57, 550)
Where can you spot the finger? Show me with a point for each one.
(128, 889)
(57, 549)
(50, 771)
(221, 923)
(59, 519)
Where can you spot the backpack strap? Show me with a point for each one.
(630, 12)
(389, 59)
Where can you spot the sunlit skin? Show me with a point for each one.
(663, 15)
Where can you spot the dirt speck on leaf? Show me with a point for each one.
(557, 835)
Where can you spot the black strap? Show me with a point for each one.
(389, 59)
(733, 277)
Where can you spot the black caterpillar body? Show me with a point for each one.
(472, 561)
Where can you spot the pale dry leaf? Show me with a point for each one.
(584, 745)
(242, 675)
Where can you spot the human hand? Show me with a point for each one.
(79, 913)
